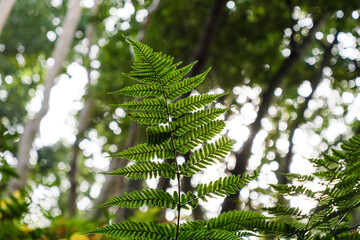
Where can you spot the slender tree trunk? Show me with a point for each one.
(83, 123)
(5, 9)
(242, 157)
(209, 30)
(315, 80)
(62, 47)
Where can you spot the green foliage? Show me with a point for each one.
(149, 197)
(187, 125)
(12, 205)
(176, 127)
(340, 175)
(138, 230)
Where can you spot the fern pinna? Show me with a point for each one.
(176, 127)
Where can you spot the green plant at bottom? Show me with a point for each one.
(179, 124)
(13, 206)
(335, 190)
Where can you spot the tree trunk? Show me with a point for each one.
(230, 202)
(83, 122)
(5, 9)
(209, 30)
(315, 80)
(74, 154)
(62, 47)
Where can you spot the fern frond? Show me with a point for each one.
(340, 211)
(152, 104)
(146, 170)
(279, 229)
(188, 84)
(234, 221)
(299, 177)
(138, 230)
(280, 210)
(141, 90)
(158, 134)
(148, 65)
(191, 121)
(191, 103)
(148, 197)
(349, 181)
(144, 152)
(206, 156)
(223, 186)
(149, 117)
(229, 221)
(352, 146)
(205, 234)
(294, 190)
(193, 138)
(338, 154)
(177, 75)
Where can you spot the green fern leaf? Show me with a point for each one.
(146, 170)
(158, 134)
(294, 190)
(177, 75)
(191, 103)
(193, 138)
(148, 65)
(223, 186)
(298, 177)
(191, 121)
(145, 152)
(338, 154)
(205, 234)
(141, 90)
(138, 230)
(152, 104)
(184, 86)
(281, 210)
(206, 156)
(148, 197)
(232, 221)
(149, 117)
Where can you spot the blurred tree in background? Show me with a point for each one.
(292, 68)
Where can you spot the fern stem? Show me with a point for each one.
(178, 174)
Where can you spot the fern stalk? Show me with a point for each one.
(178, 176)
